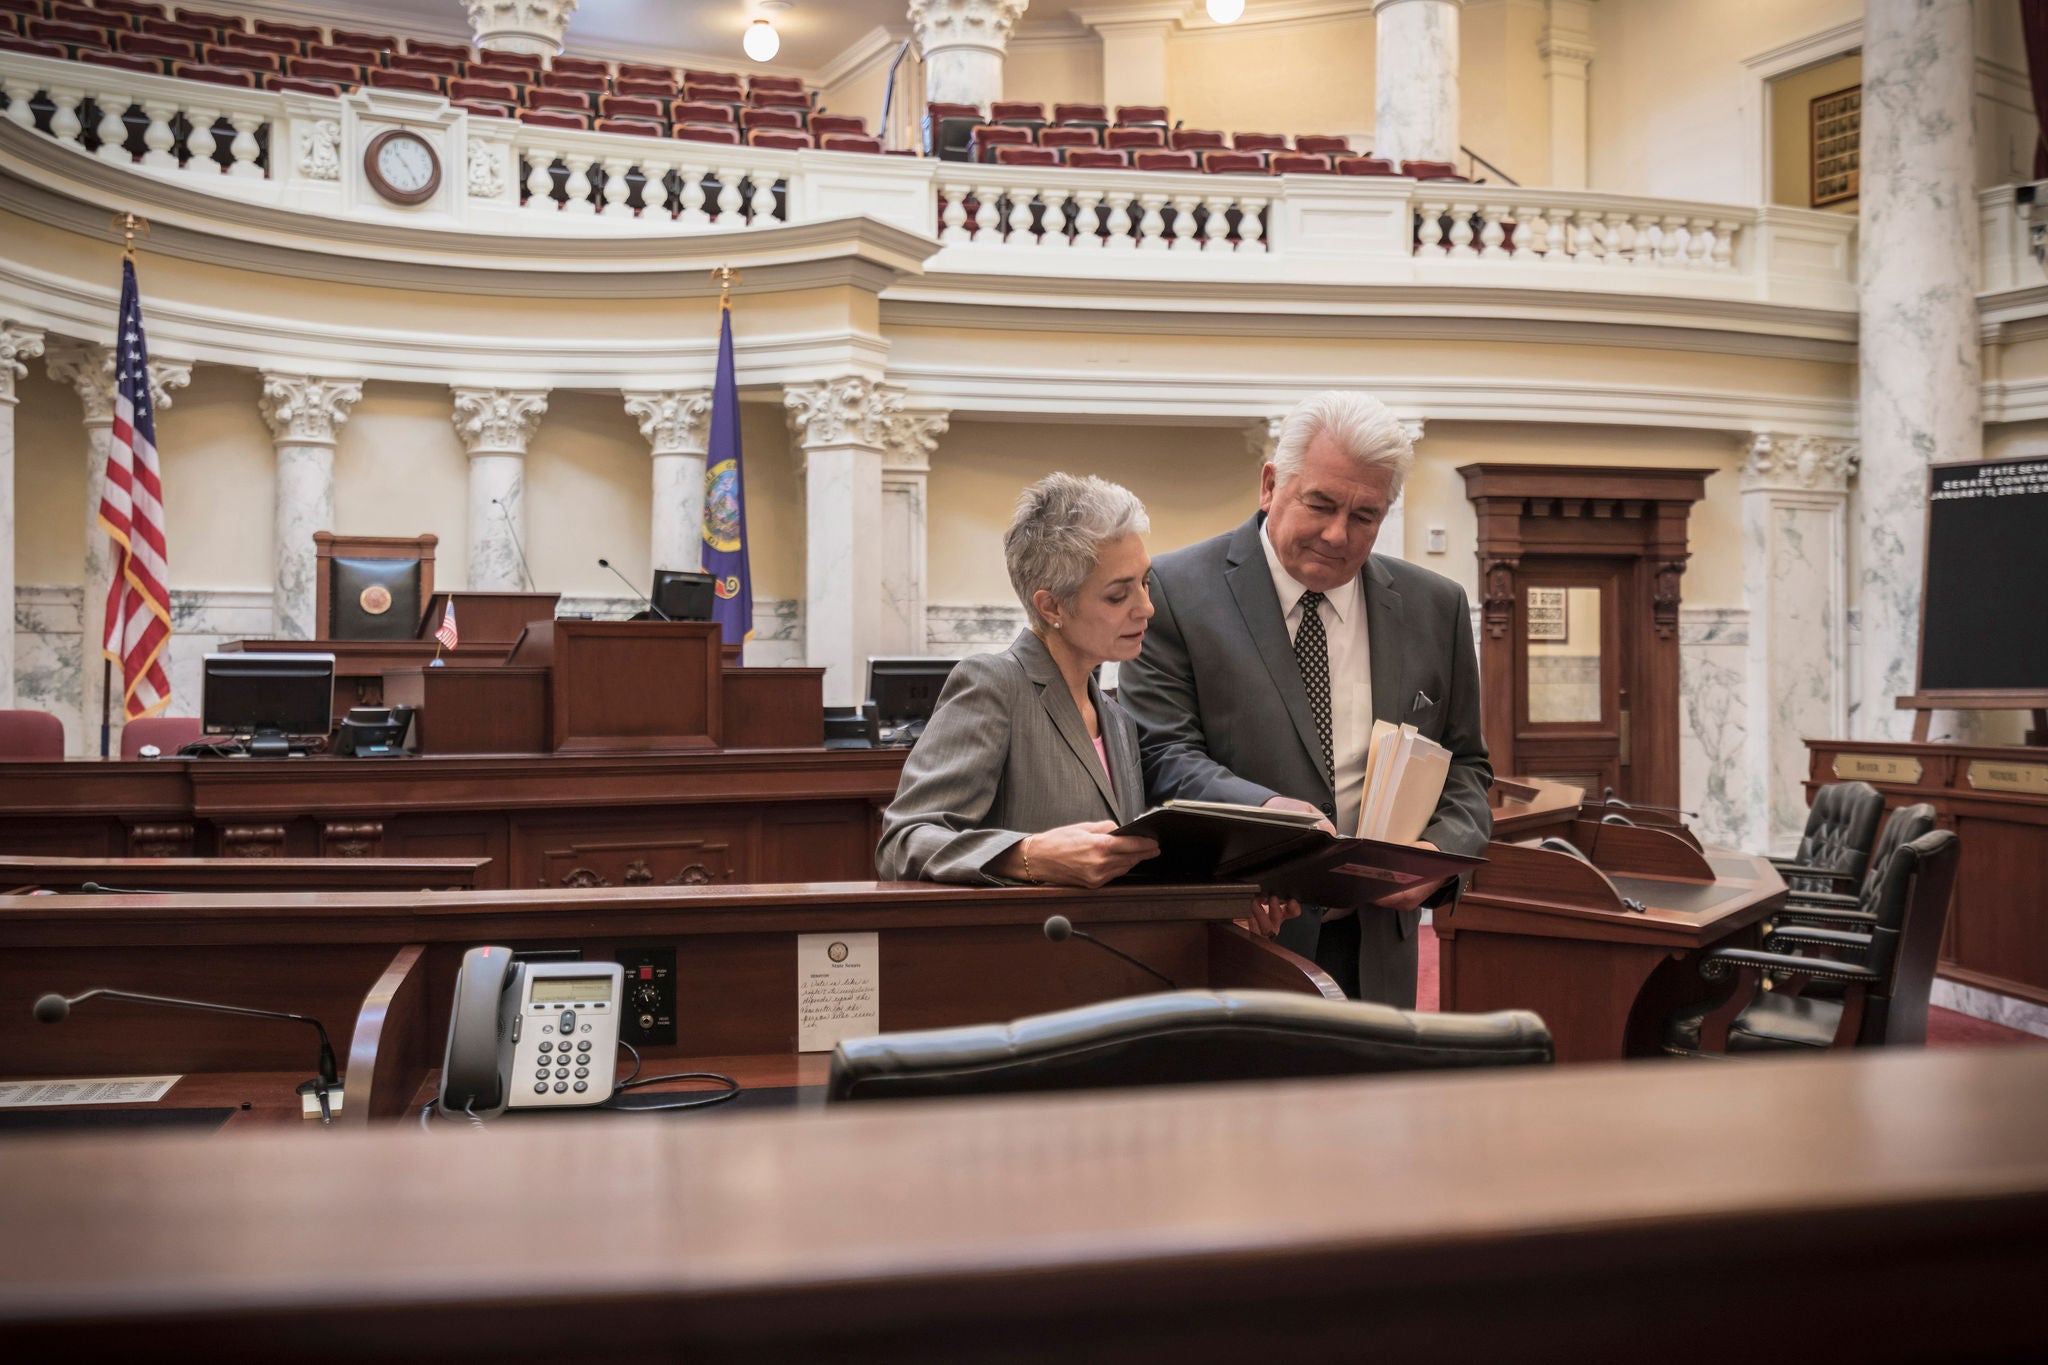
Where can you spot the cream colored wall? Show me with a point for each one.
(49, 483)
(2015, 440)
(1313, 76)
(775, 508)
(1504, 113)
(1053, 71)
(1791, 129)
(219, 474)
(400, 470)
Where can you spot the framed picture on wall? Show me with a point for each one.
(1837, 120)
(1549, 617)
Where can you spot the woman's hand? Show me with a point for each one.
(1269, 913)
(1088, 855)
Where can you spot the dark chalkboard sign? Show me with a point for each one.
(1984, 618)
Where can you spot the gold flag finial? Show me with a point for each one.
(126, 224)
(727, 277)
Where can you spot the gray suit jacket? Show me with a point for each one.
(1004, 755)
(1222, 714)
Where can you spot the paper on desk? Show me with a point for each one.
(88, 1090)
(838, 989)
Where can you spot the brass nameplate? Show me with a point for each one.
(1903, 769)
(1996, 775)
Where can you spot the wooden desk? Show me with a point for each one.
(1532, 807)
(1543, 931)
(1589, 1214)
(1996, 800)
(243, 874)
(379, 969)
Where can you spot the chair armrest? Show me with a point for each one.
(1722, 961)
(1787, 868)
(1781, 939)
(1834, 898)
(1822, 915)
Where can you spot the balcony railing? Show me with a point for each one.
(303, 153)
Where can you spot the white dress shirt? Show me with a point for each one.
(1343, 613)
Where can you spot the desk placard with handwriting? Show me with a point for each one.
(838, 989)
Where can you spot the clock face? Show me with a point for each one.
(402, 167)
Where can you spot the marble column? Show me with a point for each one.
(676, 423)
(913, 437)
(1795, 554)
(1919, 366)
(963, 42)
(17, 343)
(1567, 51)
(303, 413)
(495, 426)
(1415, 72)
(89, 369)
(841, 430)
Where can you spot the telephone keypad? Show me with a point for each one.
(565, 1069)
(561, 1086)
(583, 1046)
(582, 1086)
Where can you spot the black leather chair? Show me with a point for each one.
(1858, 910)
(1181, 1038)
(1884, 996)
(1834, 852)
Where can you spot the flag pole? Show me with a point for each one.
(126, 223)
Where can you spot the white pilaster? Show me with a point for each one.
(1567, 52)
(841, 429)
(963, 42)
(17, 343)
(1415, 95)
(303, 414)
(906, 472)
(1919, 362)
(1795, 554)
(1134, 39)
(676, 423)
(495, 426)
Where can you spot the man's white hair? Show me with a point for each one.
(1360, 425)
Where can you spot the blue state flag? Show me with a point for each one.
(725, 504)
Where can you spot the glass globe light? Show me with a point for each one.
(762, 42)
(1226, 11)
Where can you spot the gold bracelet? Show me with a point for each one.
(1024, 847)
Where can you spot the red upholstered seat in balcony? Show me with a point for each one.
(778, 99)
(126, 61)
(698, 132)
(772, 118)
(837, 125)
(989, 135)
(1165, 161)
(850, 142)
(723, 94)
(426, 66)
(1365, 165)
(1027, 156)
(247, 61)
(1320, 144)
(71, 35)
(940, 109)
(405, 80)
(216, 75)
(701, 111)
(1080, 113)
(1300, 163)
(1016, 111)
(307, 68)
(583, 66)
(1134, 139)
(1069, 137)
(31, 736)
(1431, 170)
(138, 8)
(209, 18)
(1097, 160)
(497, 71)
(554, 118)
(1259, 142)
(789, 85)
(91, 18)
(354, 56)
(176, 28)
(659, 90)
(302, 87)
(640, 71)
(567, 101)
(488, 92)
(304, 33)
(381, 42)
(1198, 140)
(1233, 163)
(1127, 114)
(633, 106)
(636, 126)
(150, 45)
(261, 42)
(29, 7)
(454, 52)
(778, 137)
(12, 43)
(528, 60)
(573, 80)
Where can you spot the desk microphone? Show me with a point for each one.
(54, 1009)
(1616, 803)
(607, 564)
(513, 532)
(1059, 929)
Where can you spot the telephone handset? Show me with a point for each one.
(531, 1035)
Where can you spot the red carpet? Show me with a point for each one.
(1945, 1028)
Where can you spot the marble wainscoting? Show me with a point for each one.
(1713, 724)
(2008, 1010)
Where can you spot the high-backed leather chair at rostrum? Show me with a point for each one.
(371, 587)
(1181, 1038)
(1884, 996)
(1834, 852)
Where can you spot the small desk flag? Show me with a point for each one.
(725, 508)
(447, 634)
(132, 512)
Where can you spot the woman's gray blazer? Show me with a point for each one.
(1004, 755)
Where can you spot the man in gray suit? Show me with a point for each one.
(1275, 646)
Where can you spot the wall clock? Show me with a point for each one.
(402, 166)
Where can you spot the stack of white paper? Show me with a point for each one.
(1404, 776)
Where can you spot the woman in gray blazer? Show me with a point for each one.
(1025, 767)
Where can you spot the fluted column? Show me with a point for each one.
(963, 42)
(841, 429)
(676, 423)
(303, 413)
(1918, 360)
(1415, 96)
(1795, 533)
(906, 472)
(17, 343)
(495, 426)
(89, 370)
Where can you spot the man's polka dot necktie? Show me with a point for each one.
(1312, 653)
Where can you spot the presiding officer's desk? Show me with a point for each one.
(378, 969)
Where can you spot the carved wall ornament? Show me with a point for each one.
(964, 23)
(252, 841)
(696, 874)
(17, 344)
(914, 439)
(1665, 597)
(89, 370)
(638, 873)
(1262, 437)
(535, 26)
(320, 150)
(160, 841)
(1823, 464)
(304, 410)
(852, 410)
(674, 421)
(1499, 600)
(486, 172)
(498, 421)
(351, 839)
(583, 876)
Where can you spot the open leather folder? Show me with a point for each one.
(1284, 854)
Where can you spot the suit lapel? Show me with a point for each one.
(1126, 773)
(1066, 717)
(1383, 634)
(1251, 583)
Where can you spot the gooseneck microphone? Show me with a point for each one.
(607, 564)
(54, 1009)
(513, 532)
(1059, 929)
(1614, 802)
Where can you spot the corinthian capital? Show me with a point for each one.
(535, 26)
(17, 343)
(498, 421)
(914, 438)
(1818, 464)
(305, 411)
(674, 421)
(852, 410)
(942, 24)
(89, 370)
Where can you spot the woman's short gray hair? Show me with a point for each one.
(1058, 531)
(1360, 425)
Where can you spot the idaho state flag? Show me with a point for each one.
(725, 507)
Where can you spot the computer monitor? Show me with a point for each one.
(681, 595)
(269, 698)
(904, 690)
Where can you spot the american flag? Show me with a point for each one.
(132, 512)
(446, 634)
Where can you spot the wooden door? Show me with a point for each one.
(1573, 678)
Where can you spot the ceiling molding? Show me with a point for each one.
(877, 42)
(1811, 50)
